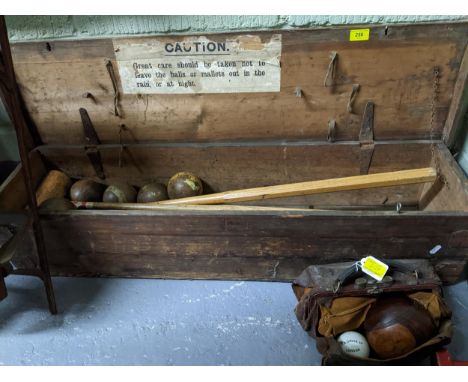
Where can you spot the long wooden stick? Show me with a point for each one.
(182, 207)
(386, 179)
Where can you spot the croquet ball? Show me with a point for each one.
(119, 193)
(184, 185)
(396, 325)
(152, 192)
(57, 204)
(354, 343)
(86, 190)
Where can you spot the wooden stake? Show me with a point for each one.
(386, 179)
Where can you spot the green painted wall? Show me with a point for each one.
(31, 28)
(22, 28)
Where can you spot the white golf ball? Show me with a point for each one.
(354, 343)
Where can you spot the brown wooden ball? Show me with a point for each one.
(119, 193)
(184, 185)
(86, 190)
(396, 325)
(57, 204)
(152, 192)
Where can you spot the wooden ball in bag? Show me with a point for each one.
(396, 325)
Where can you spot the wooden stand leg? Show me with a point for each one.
(11, 97)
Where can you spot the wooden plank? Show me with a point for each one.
(459, 104)
(239, 245)
(358, 182)
(453, 196)
(13, 195)
(431, 193)
(393, 69)
(228, 166)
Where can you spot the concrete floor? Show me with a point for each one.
(162, 322)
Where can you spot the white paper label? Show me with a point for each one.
(199, 65)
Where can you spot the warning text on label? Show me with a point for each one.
(199, 65)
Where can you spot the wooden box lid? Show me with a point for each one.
(409, 72)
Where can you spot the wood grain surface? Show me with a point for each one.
(227, 166)
(394, 70)
(274, 245)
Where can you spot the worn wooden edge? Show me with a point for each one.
(50, 148)
(431, 193)
(449, 271)
(459, 105)
(13, 196)
(452, 188)
(445, 153)
(291, 213)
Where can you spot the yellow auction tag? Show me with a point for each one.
(374, 268)
(359, 34)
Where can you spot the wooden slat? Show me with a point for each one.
(453, 195)
(431, 192)
(459, 104)
(239, 245)
(393, 69)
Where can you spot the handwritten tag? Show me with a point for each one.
(374, 268)
(359, 34)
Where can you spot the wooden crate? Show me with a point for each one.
(415, 76)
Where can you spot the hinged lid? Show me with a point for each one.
(408, 72)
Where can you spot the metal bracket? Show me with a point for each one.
(366, 139)
(92, 141)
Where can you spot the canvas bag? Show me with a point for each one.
(330, 301)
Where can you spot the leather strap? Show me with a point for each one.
(355, 270)
(366, 139)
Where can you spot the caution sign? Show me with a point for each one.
(185, 65)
